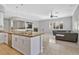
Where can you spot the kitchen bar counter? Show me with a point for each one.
(26, 34)
(33, 34)
(25, 42)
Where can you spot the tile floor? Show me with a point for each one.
(60, 48)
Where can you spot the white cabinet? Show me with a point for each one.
(4, 38)
(7, 24)
(27, 45)
(1, 38)
(21, 44)
(1, 20)
(35, 45)
(16, 42)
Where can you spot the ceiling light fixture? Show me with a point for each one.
(18, 6)
(52, 15)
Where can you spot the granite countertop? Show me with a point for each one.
(27, 34)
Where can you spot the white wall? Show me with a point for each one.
(75, 22)
(67, 22)
(44, 25)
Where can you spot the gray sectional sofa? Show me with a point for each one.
(65, 35)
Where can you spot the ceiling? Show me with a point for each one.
(39, 11)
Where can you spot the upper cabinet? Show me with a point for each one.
(7, 24)
(2, 10)
(17, 24)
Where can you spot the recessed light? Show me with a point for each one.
(21, 4)
(16, 6)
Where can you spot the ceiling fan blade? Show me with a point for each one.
(51, 15)
(55, 16)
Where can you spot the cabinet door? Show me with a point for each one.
(2, 38)
(17, 42)
(6, 38)
(20, 43)
(35, 45)
(14, 41)
(26, 45)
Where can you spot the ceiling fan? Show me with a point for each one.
(52, 15)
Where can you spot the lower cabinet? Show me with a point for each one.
(4, 38)
(21, 44)
(27, 45)
(14, 41)
(1, 38)
(35, 45)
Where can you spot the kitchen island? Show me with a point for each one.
(30, 44)
(26, 43)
